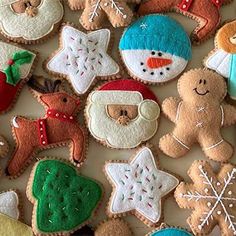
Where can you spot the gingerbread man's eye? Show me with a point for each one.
(204, 81)
(200, 81)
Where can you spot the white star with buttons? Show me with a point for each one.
(139, 186)
(83, 57)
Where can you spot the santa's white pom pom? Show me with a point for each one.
(149, 110)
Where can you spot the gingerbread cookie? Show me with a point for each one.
(64, 200)
(82, 58)
(139, 187)
(199, 114)
(155, 49)
(205, 13)
(12, 227)
(114, 227)
(211, 197)
(165, 230)
(30, 21)
(223, 58)
(58, 127)
(96, 12)
(16, 66)
(122, 114)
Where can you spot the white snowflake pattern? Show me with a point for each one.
(113, 4)
(220, 199)
(143, 26)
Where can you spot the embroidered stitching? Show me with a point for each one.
(180, 142)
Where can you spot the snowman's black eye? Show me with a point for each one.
(159, 54)
(144, 70)
(152, 73)
(167, 68)
(161, 73)
(141, 63)
(153, 53)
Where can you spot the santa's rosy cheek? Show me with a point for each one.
(19, 7)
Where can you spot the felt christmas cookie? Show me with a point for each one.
(155, 49)
(64, 200)
(82, 58)
(9, 215)
(30, 21)
(57, 127)
(122, 114)
(139, 187)
(165, 230)
(205, 13)
(223, 58)
(9, 204)
(11, 227)
(212, 198)
(199, 114)
(97, 12)
(114, 227)
(16, 66)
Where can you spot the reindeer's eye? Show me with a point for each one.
(64, 100)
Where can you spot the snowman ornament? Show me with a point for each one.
(155, 49)
(223, 58)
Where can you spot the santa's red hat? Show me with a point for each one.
(128, 92)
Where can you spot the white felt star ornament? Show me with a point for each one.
(139, 186)
(83, 57)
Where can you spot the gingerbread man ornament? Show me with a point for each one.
(199, 114)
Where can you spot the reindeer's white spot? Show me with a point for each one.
(14, 122)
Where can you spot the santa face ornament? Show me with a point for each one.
(155, 49)
(122, 114)
(30, 21)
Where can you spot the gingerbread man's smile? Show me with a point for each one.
(199, 93)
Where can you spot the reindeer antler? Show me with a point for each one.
(49, 86)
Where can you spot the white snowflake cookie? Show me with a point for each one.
(30, 21)
(82, 58)
(211, 196)
(139, 187)
(122, 114)
(155, 49)
(97, 13)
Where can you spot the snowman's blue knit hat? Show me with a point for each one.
(159, 33)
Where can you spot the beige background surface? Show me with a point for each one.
(98, 154)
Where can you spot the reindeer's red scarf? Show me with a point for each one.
(186, 4)
(42, 130)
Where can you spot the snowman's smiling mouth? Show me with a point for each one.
(201, 94)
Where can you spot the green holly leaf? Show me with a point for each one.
(65, 199)
(13, 70)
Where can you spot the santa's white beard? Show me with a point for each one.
(116, 135)
(14, 25)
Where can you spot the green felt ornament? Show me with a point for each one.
(13, 69)
(65, 200)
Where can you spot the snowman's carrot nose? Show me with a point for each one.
(156, 62)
